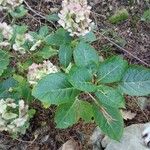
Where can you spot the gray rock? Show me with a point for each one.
(96, 139)
(143, 102)
(131, 140)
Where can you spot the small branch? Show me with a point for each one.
(38, 14)
(107, 116)
(30, 142)
(123, 49)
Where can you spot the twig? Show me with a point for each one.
(38, 14)
(123, 49)
(31, 142)
(107, 116)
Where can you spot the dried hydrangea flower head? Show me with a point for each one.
(6, 30)
(20, 41)
(75, 17)
(38, 71)
(13, 117)
(10, 4)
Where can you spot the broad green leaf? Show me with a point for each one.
(25, 65)
(35, 35)
(20, 29)
(4, 61)
(6, 87)
(111, 123)
(89, 37)
(85, 55)
(81, 79)
(52, 17)
(110, 96)
(65, 55)
(112, 70)
(136, 81)
(23, 88)
(19, 12)
(58, 38)
(69, 113)
(55, 89)
(8, 72)
(47, 52)
(43, 31)
(92, 68)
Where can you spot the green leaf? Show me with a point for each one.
(8, 72)
(85, 55)
(110, 96)
(65, 55)
(112, 70)
(81, 79)
(47, 52)
(136, 81)
(5, 87)
(146, 16)
(55, 89)
(69, 114)
(111, 123)
(43, 31)
(4, 61)
(23, 88)
(58, 38)
(19, 12)
(52, 17)
(20, 29)
(89, 37)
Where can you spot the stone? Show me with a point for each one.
(131, 140)
(69, 145)
(96, 139)
(143, 102)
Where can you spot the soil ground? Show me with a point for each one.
(135, 39)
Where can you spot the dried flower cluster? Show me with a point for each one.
(75, 17)
(6, 33)
(38, 71)
(10, 4)
(20, 40)
(13, 117)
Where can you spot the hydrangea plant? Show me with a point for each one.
(104, 82)
(85, 86)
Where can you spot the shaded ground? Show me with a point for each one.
(134, 37)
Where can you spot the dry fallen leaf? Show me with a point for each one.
(127, 114)
(70, 145)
